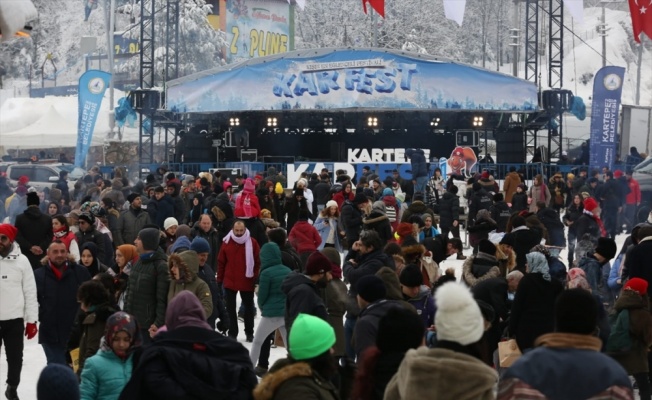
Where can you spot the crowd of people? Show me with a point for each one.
(132, 287)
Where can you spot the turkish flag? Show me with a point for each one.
(641, 18)
(378, 5)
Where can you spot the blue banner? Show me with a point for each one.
(336, 79)
(92, 85)
(607, 88)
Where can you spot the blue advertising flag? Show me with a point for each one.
(92, 85)
(607, 88)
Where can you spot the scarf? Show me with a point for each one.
(65, 236)
(58, 273)
(603, 232)
(249, 249)
(563, 340)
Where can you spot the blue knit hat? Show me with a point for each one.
(57, 382)
(181, 244)
(200, 245)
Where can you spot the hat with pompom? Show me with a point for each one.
(458, 318)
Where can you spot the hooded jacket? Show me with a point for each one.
(92, 331)
(302, 297)
(377, 221)
(479, 268)
(147, 289)
(640, 330)
(188, 263)
(304, 237)
(416, 208)
(368, 264)
(512, 180)
(294, 381)
(366, 328)
(449, 209)
(34, 229)
(271, 299)
(439, 374)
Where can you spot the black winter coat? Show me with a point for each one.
(500, 212)
(480, 201)
(163, 209)
(449, 210)
(550, 219)
(302, 297)
(533, 309)
(573, 213)
(57, 301)
(367, 264)
(519, 202)
(93, 236)
(214, 241)
(380, 223)
(34, 229)
(191, 364)
(587, 228)
(438, 246)
(207, 275)
(351, 220)
(638, 262)
(366, 328)
(321, 193)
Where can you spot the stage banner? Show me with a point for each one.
(607, 88)
(332, 79)
(92, 85)
(257, 28)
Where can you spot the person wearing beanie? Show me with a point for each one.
(146, 294)
(35, 231)
(161, 208)
(18, 305)
(500, 212)
(520, 199)
(378, 221)
(302, 291)
(57, 382)
(638, 258)
(596, 267)
(417, 294)
(353, 213)
(550, 370)
(631, 333)
(481, 266)
(425, 371)
(417, 207)
(533, 308)
(271, 301)
(328, 227)
(293, 205)
(373, 303)
(169, 233)
(398, 331)
(247, 204)
(480, 229)
(131, 221)
(310, 368)
(335, 296)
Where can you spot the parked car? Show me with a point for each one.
(43, 175)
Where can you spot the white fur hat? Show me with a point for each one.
(331, 203)
(169, 222)
(458, 318)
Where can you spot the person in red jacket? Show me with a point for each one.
(632, 201)
(304, 237)
(247, 205)
(238, 266)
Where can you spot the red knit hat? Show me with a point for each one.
(9, 231)
(638, 285)
(23, 180)
(590, 204)
(485, 175)
(618, 173)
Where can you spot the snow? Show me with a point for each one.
(34, 358)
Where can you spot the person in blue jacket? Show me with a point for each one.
(419, 169)
(417, 294)
(107, 372)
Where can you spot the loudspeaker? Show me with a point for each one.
(510, 146)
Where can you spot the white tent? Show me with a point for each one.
(50, 131)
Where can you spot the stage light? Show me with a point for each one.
(328, 121)
(234, 121)
(435, 122)
(372, 121)
(272, 121)
(478, 121)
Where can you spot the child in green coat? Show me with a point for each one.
(107, 372)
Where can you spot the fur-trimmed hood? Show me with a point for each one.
(478, 268)
(441, 374)
(188, 263)
(413, 252)
(267, 387)
(374, 217)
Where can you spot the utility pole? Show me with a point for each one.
(374, 27)
(110, 27)
(602, 31)
(638, 71)
(514, 34)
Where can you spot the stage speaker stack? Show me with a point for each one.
(510, 146)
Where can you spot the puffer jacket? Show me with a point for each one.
(425, 305)
(640, 330)
(378, 222)
(146, 294)
(304, 237)
(479, 268)
(104, 376)
(129, 224)
(92, 331)
(302, 296)
(366, 328)
(188, 263)
(271, 299)
(449, 209)
(367, 264)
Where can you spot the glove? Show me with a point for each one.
(30, 330)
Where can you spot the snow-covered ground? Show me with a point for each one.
(34, 358)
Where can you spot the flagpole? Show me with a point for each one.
(638, 71)
(374, 27)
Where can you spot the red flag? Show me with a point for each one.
(641, 18)
(378, 5)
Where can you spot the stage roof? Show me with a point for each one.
(350, 80)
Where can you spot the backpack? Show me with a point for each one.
(619, 339)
